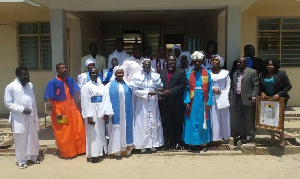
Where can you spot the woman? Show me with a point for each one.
(120, 126)
(108, 75)
(211, 49)
(198, 101)
(185, 61)
(274, 83)
(220, 118)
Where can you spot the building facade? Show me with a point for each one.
(43, 33)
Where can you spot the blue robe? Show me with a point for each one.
(193, 132)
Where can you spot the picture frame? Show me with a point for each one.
(270, 113)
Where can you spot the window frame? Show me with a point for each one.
(39, 35)
(280, 31)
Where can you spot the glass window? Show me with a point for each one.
(282, 43)
(35, 46)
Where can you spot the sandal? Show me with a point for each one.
(22, 166)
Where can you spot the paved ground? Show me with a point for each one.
(157, 166)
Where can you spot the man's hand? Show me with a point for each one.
(263, 95)
(106, 118)
(152, 93)
(59, 116)
(26, 111)
(90, 121)
(166, 92)
(216, 90)
(188, 107)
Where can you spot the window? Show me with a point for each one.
(280, 38)
(35, 46)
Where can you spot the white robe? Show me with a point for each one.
(81, 79)
(121, 56)
(117, 132)
(131, 67)
(25, 128)
(147, 131)
(220, 118)
(95, 135)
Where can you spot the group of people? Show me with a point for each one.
(141, 102)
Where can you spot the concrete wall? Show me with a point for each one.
(9, 57)
(9, 53)
(249, 34)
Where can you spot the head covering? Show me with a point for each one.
(176, 47)
(146, 59)
(198, 55)
(188, 55)
(117, 68)
(220, 58)
(89, 61)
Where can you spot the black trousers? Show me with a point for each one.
(173, 125)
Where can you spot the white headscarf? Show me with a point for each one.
(89, 61)
(188, 55)
(176, 47)
(117, 68)
(220, 58)
(198, 55)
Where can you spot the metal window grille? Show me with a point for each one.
(35, 45)
(280, 38)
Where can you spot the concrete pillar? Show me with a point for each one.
(233, 34)
(58, 37)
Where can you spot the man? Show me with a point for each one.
(20, 100)
(148, 132)
(67, 123)
(132, 65)
(96, 109)
(174, 82)
(244, 89)
(252, 62)
(198, 98)
(147, 51)
(99, 60)
(119, 53)
(84, 77)
(160, 62)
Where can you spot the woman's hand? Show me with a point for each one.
(276, 96)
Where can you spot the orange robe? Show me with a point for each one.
(70, 137)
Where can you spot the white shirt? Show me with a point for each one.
(121, 56)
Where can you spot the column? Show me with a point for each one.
(58, 37)
(233, 34)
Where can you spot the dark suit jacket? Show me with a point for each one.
(250, 86)
(282, 84)
(257, 64)
(177, 84)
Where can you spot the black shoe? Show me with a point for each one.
(249, 139)
(95, 160)
(204, 148)
(235, 140)
(178, 147)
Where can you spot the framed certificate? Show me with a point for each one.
(270, 113)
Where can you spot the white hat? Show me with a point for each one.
(146, 59)
(198, 55)
(221, 59)
(89, 61)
